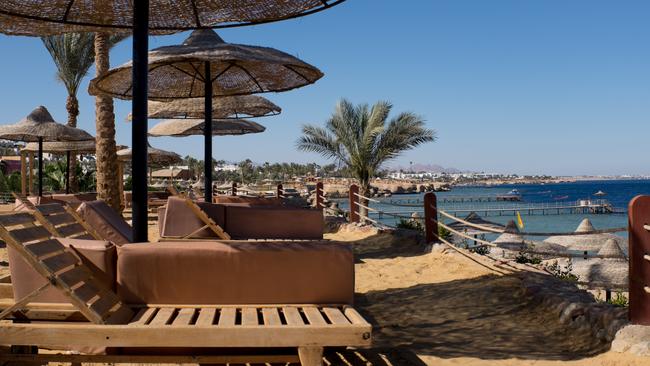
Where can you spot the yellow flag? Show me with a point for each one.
(520, 222)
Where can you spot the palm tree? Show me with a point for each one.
(361, 139)
(108, 182)
(74, 54)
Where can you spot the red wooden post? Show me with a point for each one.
(431, 217)
(354, 199)
(639, 251)
(234, 189)
(319, 195)
(279, 192)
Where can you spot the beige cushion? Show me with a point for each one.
(108, 223)
(236, 273)
(98, 255)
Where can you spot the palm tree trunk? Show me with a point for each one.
(108, 189)
(72, 106)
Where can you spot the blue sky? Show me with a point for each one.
(532, 87)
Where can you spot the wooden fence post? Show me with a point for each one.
(354, 199)
(431, 218)
(639, 252)
(234, 189)
(279, 193)
(319, 195)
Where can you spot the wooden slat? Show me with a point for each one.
(292, 316)
(28, 234)
(354, 316)
(74, 276)
(227, 316)
(103, 304)
(314, 316)
(46, 247)
(207, 220)
(335, 316)
(85, 236)
(122, 315)
(249, 316)
(162, 317)
(206, 316)
(50, 208)
(184, 317)
(60, 219)
(60, 261)
(271, 316)
(19, 218)
(69, 230)
(143, 316)
(86, 292)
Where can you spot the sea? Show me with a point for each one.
(617, 192)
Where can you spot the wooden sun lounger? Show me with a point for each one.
(309, 328)
(209, 223)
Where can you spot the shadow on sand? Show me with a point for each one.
(485, 317)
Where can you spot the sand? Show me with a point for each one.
(442, 308)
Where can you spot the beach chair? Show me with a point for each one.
(190, 329)
(63, 221)
(25, 203)
(208, 222)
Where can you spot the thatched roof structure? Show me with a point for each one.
(512, 240)
(178, 71)
(474, 218)
(611, 272)
(155, 156)
(222, 108)
(39, 124)
(589, 242)
(40, 17)
(63, 146)
(190, 127)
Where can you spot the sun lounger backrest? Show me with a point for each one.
(63, 221)
(106, 222)
(25, 204)
(62, 269)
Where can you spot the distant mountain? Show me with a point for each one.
(430, 168)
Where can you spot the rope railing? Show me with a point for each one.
(484, 243)
(367, 198)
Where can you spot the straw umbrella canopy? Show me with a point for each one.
(234, 107)
(39, 126)
(45, 17)
(475, 218)
(206, 66)
(587, 242)
(610, 272)
(191, 127)
(512, 240)
(154, 155)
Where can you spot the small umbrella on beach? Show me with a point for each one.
(39, 126)
(512, 240)
(608, 272)
(190, 127)
(206, 66)
(155, 156)
(474, 218)
(587, 242)
(234, 107)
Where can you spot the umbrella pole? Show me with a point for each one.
(139, 121)
(67, 172)
(207, 134)
(40, 167)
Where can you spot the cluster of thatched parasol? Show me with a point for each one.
(204, 66)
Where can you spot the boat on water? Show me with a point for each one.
(513, 195)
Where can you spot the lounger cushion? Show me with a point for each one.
(108, 223)
(236, 273)
(180, 220)
(252, 201)
(98, 255)
(243, 221)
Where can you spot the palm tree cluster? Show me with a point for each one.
(362, 139)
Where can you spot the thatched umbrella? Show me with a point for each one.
(191, 127)
(611, 272)
(234, 107)
(66, 147)
(513, 241)
(587, 242)
(475, 218)
(39, 126)
(154, 156)
(206, 66)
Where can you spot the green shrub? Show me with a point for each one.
(564, 274)
(410, 225)
(619, 300)
(524, 258)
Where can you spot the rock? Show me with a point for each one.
(634, 339)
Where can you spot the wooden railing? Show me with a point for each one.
(639, 244)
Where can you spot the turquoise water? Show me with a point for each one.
(619, 193)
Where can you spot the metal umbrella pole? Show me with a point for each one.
(207, 134)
